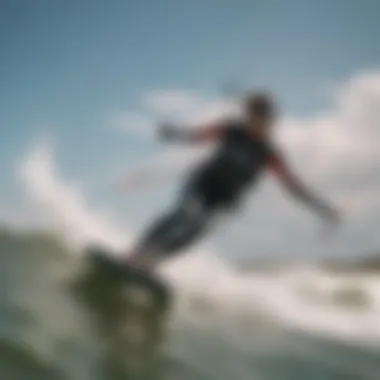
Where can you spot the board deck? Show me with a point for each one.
(121, 274)
(131, 307)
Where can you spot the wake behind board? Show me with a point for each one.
(130, 307)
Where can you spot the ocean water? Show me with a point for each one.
(292, 323)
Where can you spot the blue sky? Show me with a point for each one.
(67, 67)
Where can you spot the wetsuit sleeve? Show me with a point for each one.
(278, 166)
(198, 134)
(212, 132)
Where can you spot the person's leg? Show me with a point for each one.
(177, 230)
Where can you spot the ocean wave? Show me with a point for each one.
(225, 325)
(307, 297)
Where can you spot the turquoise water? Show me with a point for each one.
(46, 334)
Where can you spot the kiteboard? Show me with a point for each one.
(130, 307)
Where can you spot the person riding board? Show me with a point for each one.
(245, 151)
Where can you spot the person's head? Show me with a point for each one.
(261, 111)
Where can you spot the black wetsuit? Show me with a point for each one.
(216, 185)
(235, 167)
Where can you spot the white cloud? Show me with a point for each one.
(341, 149)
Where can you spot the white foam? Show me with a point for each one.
(301, 297)
(65, 204)
(297, 296)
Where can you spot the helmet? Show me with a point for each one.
(260, 104)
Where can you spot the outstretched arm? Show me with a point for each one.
(199, 134)
(299, 190)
